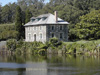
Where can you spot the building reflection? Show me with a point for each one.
(39, 68)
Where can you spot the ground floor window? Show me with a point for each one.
(52, 35)
(61, 35)
(29, 36)
(41, 36)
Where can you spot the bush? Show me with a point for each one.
(11, 44)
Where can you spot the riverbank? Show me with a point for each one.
(2, 44)
(53, 46)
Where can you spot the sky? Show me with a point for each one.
(4, 2)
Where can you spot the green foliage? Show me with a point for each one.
(88, 27)
(54, 42)
(69, 10)
(7, 32)
(28, 16)
(79, 47)
(11, 44)
(18, 22)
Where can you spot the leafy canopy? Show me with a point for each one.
(89, 26)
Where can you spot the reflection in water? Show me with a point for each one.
(49, 65)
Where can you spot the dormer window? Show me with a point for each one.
(32, 20)
(44, 18)
(38, 19)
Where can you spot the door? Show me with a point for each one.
(34, 37)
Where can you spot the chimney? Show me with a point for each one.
(56, 16)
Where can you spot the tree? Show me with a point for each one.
(89, 26)
(5, 14)
(0, 13)
(28, 15)
(13, 11)
(18, 22)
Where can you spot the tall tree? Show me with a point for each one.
(13, 11)
(28, 16)
(0, 13)
(18, 22)
(5, 14)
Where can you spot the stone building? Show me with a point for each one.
(44, 27)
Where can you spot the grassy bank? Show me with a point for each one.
(54, 47)
(83, 47)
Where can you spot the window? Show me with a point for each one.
(40, 28)
(44, 18)
(52, 35)
(34, 28)
(32, 20)
(61, 35)
(40, 36)
(29, 36)
(61, 27)
(29, 28)
(38, 19)
(52, 27)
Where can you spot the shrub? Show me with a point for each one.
(11, 44)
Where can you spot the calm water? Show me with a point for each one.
(49, 65)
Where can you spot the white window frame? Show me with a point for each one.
(40, 27)
(35, 28)
(40, 36)
(29, 37)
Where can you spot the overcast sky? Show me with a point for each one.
(4, 2)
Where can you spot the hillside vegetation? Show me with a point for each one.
(7, 31)
(83, 15)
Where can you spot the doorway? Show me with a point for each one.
(34, 37)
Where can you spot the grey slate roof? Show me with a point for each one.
(49, 20)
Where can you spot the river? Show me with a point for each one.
(49, 65)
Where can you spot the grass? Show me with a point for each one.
(84, 41)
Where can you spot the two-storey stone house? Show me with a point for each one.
(44, 27)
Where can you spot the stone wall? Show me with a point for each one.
(38, 32)
(57, 31)
(44, 32)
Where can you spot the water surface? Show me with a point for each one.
(49, 65)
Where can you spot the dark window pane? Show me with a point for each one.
(60, 27)
(52, 35)
(52, 27)
(61, 35)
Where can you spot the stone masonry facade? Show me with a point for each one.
(44, 32)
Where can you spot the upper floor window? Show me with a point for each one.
(34, 28)
(28, 28)
(61, 27)
(52, 27)
(40, 28)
